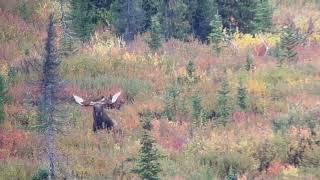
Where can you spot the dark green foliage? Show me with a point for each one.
(128, 18)
(274, 150)
(25, 11)
(223, 103)
(173, 18)
(82, 15)
(190, 69)
(242, 96)
(266, 153)
(85, 15)
(228, 165)
(231, 174)
(290, 38)
(155, 34)
(216, 35)
(12, 75)
(41, 174)
(249, 62)
(191, 77)
(150, 8)
(235, 13)
(202, 13)
(3, 97)
(102, 9)
(263, 17)
(278, 53)
(297, 117)
(147, 165)
(171, 102)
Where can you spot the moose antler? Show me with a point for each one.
(102, 100)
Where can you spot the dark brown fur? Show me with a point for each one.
(100, 119)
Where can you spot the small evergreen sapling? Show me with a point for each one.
(198, 113)
(223, 106)
(289, 39)
(171, 101)
(3, 97)
(147, 165)
(242, 96)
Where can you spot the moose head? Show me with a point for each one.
(100, 118)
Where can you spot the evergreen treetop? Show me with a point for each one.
(263, 16)
(155, 34)
(216, 35)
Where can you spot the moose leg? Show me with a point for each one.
(94, 127)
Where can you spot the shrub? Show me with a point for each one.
(228, 164)
(13, 171)
(266, 154)
(41, 174)
(270, 151)
(311, 157)
(25, 11)
(297, 117)
(249, 66)
(303, 148)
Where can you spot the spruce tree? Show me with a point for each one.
(216, 35)
(242, 96)
(171, 100)
(151, 8)
(202, 17)
(155, 34)
(128, 18)
(49, 89)
(147, 165)
(249, 62)
(289, 39)
(237, 14)
(83, 21)
(190, 79)
(173, 15)
(3, 97)
(223, 103)
(196, 109)
(263, 16)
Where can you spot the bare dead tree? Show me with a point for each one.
(49, 88)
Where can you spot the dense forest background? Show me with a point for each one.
(211, 89)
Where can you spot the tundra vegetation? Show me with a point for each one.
(210, 89)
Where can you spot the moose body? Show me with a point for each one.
(101, 120)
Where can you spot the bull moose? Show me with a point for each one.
(100, 118)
